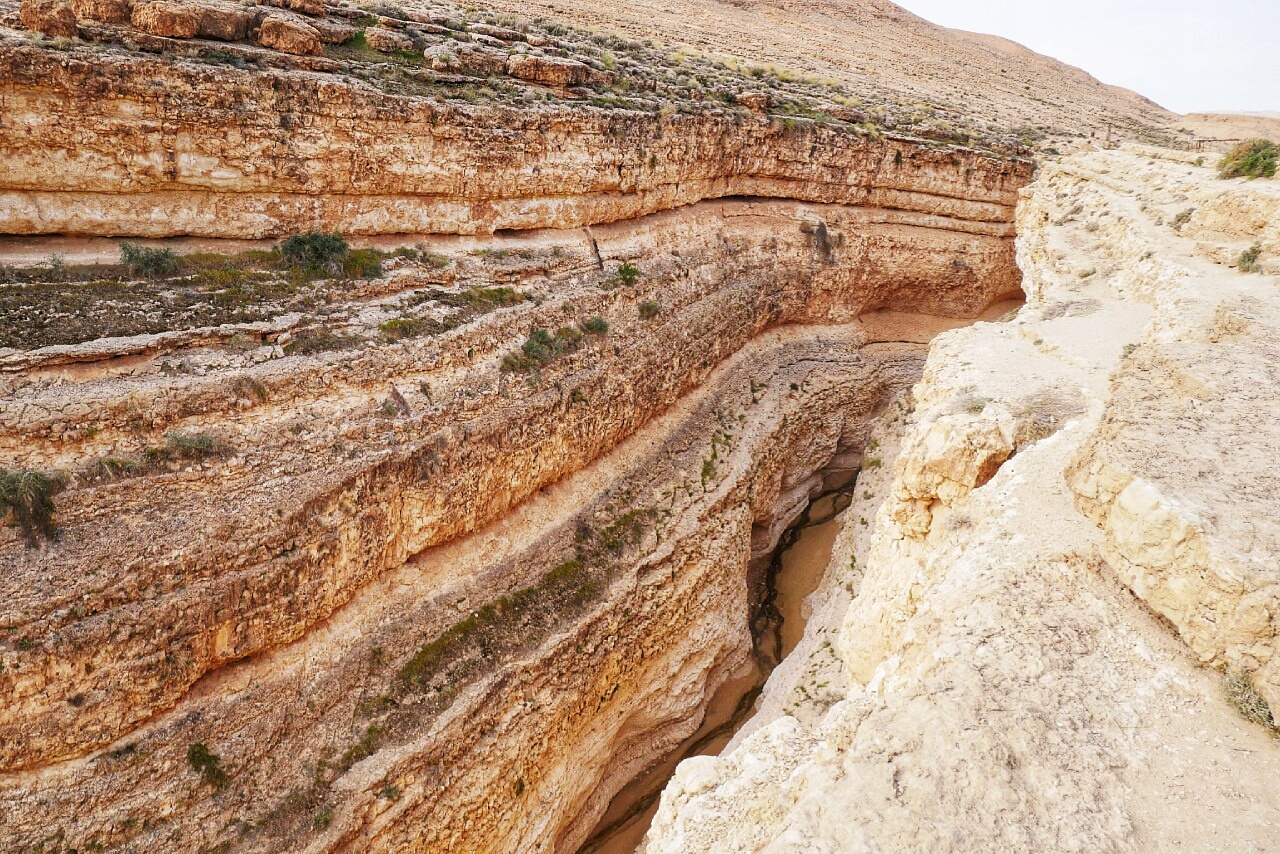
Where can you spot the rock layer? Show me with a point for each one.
(983, 669)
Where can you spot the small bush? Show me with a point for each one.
(542, 348)
(315, 252)
(1255, 158)
(189, 446)
(628, 274)
(27, 497)
(148, 262)
(363, 264)
(650, 309)
(206, 764)
(1248, 260)
(400, 328)
(596, 326)
(1246, 700)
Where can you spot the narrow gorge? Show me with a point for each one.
(425, 440)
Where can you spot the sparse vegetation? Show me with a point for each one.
(628, 274)
(207, 765)
(1248, 260)
(650, 309)
(542, 347)
(1255, 158)
(315, 252)
(26, 497)
(1246, 700)
(149, 262)
(596, 326)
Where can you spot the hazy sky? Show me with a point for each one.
(1188, 55)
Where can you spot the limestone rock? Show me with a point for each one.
(756, 102)
(387, 41)
(55, 18)
(289, 36)
(168, 18)
(548, 70)
(224, 21)
(106, 11)
(502, 33)
(332, 31)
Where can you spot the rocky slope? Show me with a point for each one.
(1028, 644)
(883, 52)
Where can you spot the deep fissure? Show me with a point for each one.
(623, 825)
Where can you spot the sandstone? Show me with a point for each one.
(387, 41)
(224, 21)
(168, 18)
(504, 33)
(54, 18)
(106, 11)
(331, 31)
(756, 102)
(289, 36)
(550, 71)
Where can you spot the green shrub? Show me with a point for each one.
(206, 764)
(650, 309)
(27, 497)
(541, 349)
(596, 326)
(399, 328)
(363, 264)
(1248, 260)
(628, 273)
(148, 262)
(315, 252)
(1255, 158)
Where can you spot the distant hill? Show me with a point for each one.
(885, 53)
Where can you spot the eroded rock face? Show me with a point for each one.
(549, 70)
(106, 11)
(313, 155)
(167, 18)
(387, 41)
(54, 18)
(376, 492)
(289, 36)
(999, 681)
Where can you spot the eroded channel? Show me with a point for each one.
(795, 571)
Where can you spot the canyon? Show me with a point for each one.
(445, 539)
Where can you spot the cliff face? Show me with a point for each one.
(421, 577)
(171, 146)
(984, 667)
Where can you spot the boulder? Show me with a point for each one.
(52, 17)
(224, 21)
(106, 11)
(331, 31)
(507, 35)
(442, 57)
(489, 41)
(387, 41)
(167, 18)
(550, 71)
(314, 8)
(289, 36)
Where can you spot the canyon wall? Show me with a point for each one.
(1051, 626)
(420, 583)
(164, 147)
